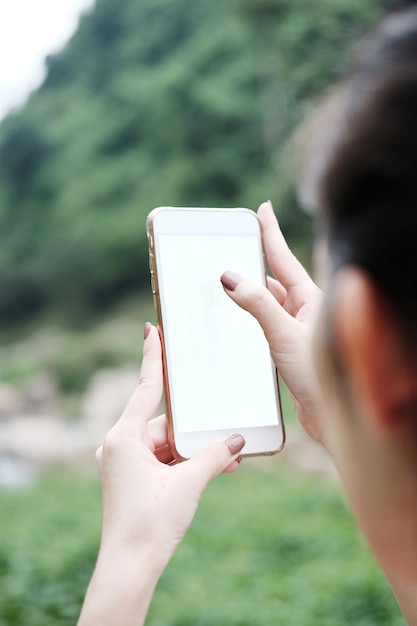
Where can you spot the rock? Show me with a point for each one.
(16, 472)
(300, 453)
(105, 398)
(11, 400)
(44, 440)
(307, 456)
(41, 395)
(41, 440)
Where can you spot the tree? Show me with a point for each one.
(181, 102)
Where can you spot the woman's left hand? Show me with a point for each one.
(147, 504)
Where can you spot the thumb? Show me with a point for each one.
(280, 327)
(215, 458)
(147, 395)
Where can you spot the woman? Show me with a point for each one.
(356, 394)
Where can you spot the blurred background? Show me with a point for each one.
(152, 102)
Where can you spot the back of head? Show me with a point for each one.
(367, 190)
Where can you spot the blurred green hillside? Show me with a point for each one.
(182, 102)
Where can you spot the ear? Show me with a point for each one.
(370, 346)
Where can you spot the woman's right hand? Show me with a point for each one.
(286, 312)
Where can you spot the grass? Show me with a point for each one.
(266, 548)
(273, 549)
(48, 546)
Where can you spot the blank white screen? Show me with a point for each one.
(220, 369)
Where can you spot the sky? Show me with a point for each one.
(29, 30)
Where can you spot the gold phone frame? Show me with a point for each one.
(160, 325)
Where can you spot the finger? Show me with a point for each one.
(278, 291)
(278, 325)
(147, 395)
(284, 265)
(157, 429)
(234, 465)
(214, 459)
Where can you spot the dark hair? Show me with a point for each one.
(368, 191)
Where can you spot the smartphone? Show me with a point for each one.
(218, 373)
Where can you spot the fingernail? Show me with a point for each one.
(235, 443)
(230, 280)
(270, 204)
(147, 329)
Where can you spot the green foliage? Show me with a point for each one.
(47, 551)
(182, 102)
(265, 548)
(274, 549)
